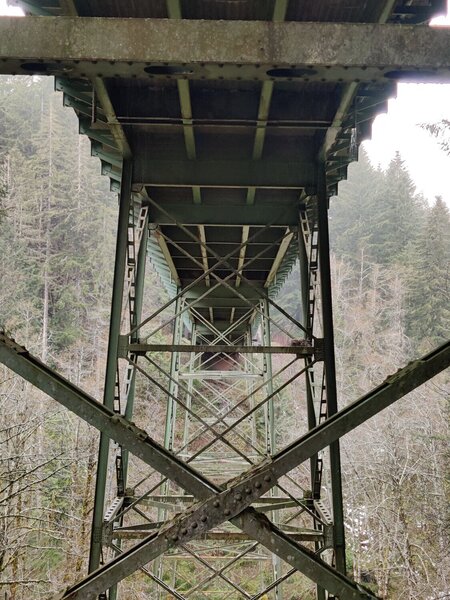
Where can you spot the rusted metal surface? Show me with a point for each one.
(102, 47)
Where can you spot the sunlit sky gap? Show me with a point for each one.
(400, 130)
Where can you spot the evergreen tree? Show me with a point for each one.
(377, 216)
(353, 212)
(397, 218)
(429, 279)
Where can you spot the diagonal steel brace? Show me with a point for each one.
(257, 481)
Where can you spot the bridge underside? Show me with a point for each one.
(225, 126)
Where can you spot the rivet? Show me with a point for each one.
(248, 490)
(257, 485)
(203, 518)
(184, 531)
(238, 497)
(267, 478)
(175, 538)
(227, 512)
(194, 525)
(216, 503)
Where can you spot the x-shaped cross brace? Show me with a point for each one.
(217, 504)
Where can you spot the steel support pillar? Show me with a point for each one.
(139, 296)
(171, 414)
(270, 428)
(330, 368)
(136, 284)
(307, 319)
(112, 357)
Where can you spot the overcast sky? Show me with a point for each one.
(400, 130)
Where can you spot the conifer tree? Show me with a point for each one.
(353, 211)
(428, 312)
(398, 216)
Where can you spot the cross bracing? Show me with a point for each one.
(225, 127)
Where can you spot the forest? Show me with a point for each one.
(391, 293)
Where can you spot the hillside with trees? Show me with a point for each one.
(391, 280)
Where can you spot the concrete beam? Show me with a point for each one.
(105, 47)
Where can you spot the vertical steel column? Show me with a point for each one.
(304, 320)
(173, 385)
(305, 282)
(139, 292)
(139, 279)
(170, 415)
(270, 428)
(330, 368)
(190, 386)
(111, 365)
(250, 385)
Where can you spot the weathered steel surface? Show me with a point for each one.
(236, 497)
(270, 174)
(226, 348)
(225, 216)
(212, 49)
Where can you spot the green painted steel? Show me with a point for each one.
(232, 139)
(111, 367)
(231, 503)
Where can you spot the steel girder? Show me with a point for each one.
(215, 504)
(102, 47)
(203, 298)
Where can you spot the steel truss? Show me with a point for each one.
(219, 489)
(219, 500)
(232, 501)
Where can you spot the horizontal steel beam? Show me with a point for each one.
(226, 215)
(138, 533)
(187, 499)
(210, 302)
(101, 47)
(219, 375)
(268, 174)
(220, 348)
(221, 326)
(223, 292)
